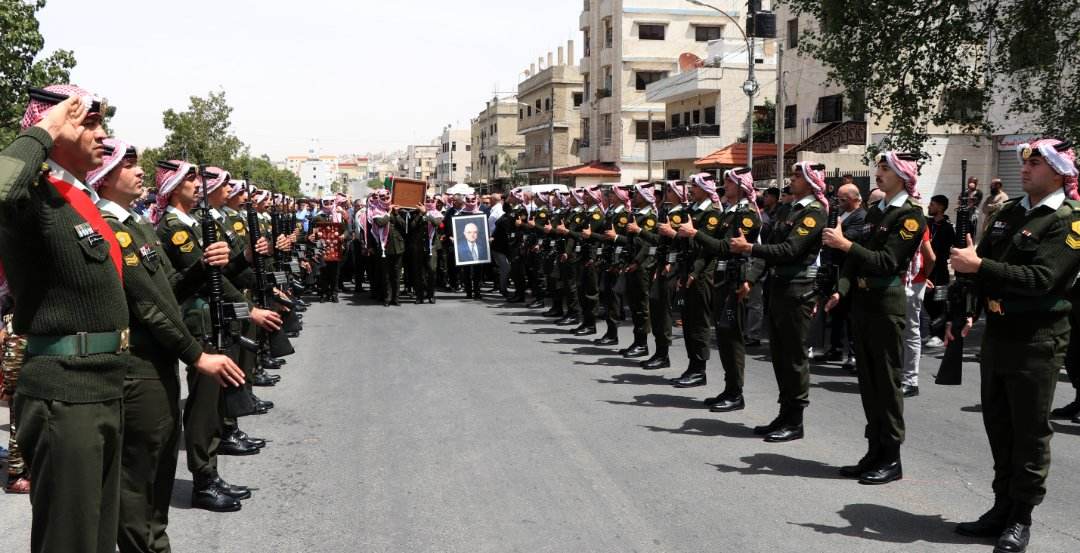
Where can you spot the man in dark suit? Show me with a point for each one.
(852, 221)
(471, 249)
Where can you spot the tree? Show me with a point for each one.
(508, 164)
(21, 44)
(920, 63)
(203, 131)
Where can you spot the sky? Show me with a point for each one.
(358, 76)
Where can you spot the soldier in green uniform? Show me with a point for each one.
(792, 249)
(1025, 266)
(569, 255)
(588, 287)
(159, 338)
(641, 237)
(615, 247)
(423, 247)
(871, 279)
(732, 280)
(673, 212)
(181, 237)
(549, 217)
(698, 283)
(63, 265)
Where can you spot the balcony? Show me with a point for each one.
(683, 143)
(602, 93)
(686, 132)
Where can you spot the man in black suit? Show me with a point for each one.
(471, 249)
(852, 221)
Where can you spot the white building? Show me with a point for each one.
(454, 159)
(316, 178)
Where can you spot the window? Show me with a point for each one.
(641, 129)
(538, 105)
(674, 174)
(468, 147)
(588, 85)
(547, 104)
(584, 131)
(830, 109)
(608, 34)
(676, 121)
(697, 117)
(607, 78)
(644, 78)
(605, 121)
(791, 117)
(453, 168)
(588, 48)
(453, 146)
(704, 33)
(793, 33)
(651, 32)
(963, 105)
(529, 111)
(578, 99)
(710, 116)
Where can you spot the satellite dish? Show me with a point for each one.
(688, 61)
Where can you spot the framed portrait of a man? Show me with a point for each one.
(471, 245)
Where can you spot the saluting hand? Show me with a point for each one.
(216, 254)
(220, 368)
(834, 238)
(609, 234)
(64, 122)
(739, 244)
(587, 232)
(965, 260)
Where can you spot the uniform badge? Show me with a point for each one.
(596, 216)
(650, 223)
(622, 220)
(911, 225)
(809, 222)
(123, 238)
(994, 306)
(1072, 241)
(180, 237)
(188, 248)
(802, 232)
(238, 226)
(906, 235)
(131, 260)
(1076, 227)
(676, 219)
(82, 230)
(747, 222)
(713, 221)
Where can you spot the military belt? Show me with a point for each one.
(878, 283)
(793, 271)
(1045, 304)
(81, 344)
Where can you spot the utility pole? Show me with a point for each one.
(779, 124)
(648, 148)
(551, 136)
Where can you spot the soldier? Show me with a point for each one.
(698, 281)
(547, 219)
(423, 248)
(619, 212)
(1025, 265)
(506, 243)
(388, 228)
(642, 238)
(792, 249)
(662, 295)
(732, 279)
(872, 279)
(588, 287)
(568, 254)
(159, 338)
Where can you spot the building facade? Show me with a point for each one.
(317, 178)
(454, 158)
(549, 117)
(495, 140)
(419, 162)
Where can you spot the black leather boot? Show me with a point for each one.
(791, 429)
(207, 495)
(991, 523)
(658, 361)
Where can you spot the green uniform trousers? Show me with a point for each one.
(569, 276)
(879, 362)
(150, 451)
(1018, 383)
(695, 316)
(610, 299)
(73, 450)
(203, 417)
(390, 267)
(638, 284)
(589, 294)
(661, 298)
(728, 318)
(789, 324)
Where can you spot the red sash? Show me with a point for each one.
(82, 204)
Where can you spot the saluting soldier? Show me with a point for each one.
(698, 283)
(791, 250)
(732, 279)
(63, 265)
(642, 239)
(673, 212)
(159, 338)
(1025, 266)
(872, 280)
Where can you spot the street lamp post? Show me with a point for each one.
(749, 87)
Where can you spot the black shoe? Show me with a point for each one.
(786, 433)
(210, 497)
(752, 343)
(261, 405)
(584, 330)
(634, 352)
(1014, 539)
(516, 299)
(235, 492)
(849, 366)
(273, 362)
(833, 354)
(689, 379)
(553, 313)
(234, 446)
(730, 402)
(334, 298)
(569, 319)
(771, 427)
(864, 465)
(468, 296)
(257, 442)
(535, 304)
(395, 303)
(883, 474)
(990, 524)
(431, 299)
(909, 390)
(657, 361)
(1068, 412)
(263, 379)
(607, 340)
(418, 300)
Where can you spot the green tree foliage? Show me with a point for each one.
(920, 62)
(20, 45)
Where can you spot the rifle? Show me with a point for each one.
(224, 334)
(961, 294)
(271, 344)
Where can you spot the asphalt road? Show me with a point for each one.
(473, 427)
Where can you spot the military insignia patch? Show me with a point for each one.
(911, 225)
(596, 216)
(747, 222)
(809, 222)
(131, 260)
(180, 237)
(123, 238)
(676, 219)
(1076, 227)
(907, 235)
(622, 220)
(801, 231)
(1072, 241)
(713, 221)
(238, 226)
(187, 248)
(650, 223)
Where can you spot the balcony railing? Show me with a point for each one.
(602, 93)
(584, 143)
(605, 141)
(686, 132)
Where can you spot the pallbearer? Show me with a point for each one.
(424, 246)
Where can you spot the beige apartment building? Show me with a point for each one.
(549, 116)
(453, 160)
(495, 140)
(629, 44)
(419, 162)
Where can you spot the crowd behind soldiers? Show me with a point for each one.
(103, 303)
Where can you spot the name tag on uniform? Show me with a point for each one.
(672, 257)
(721, 265)
(551, 243)
(513, 234)
(577, 249)
(652, 250)
(618, 250)
(82, 230)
